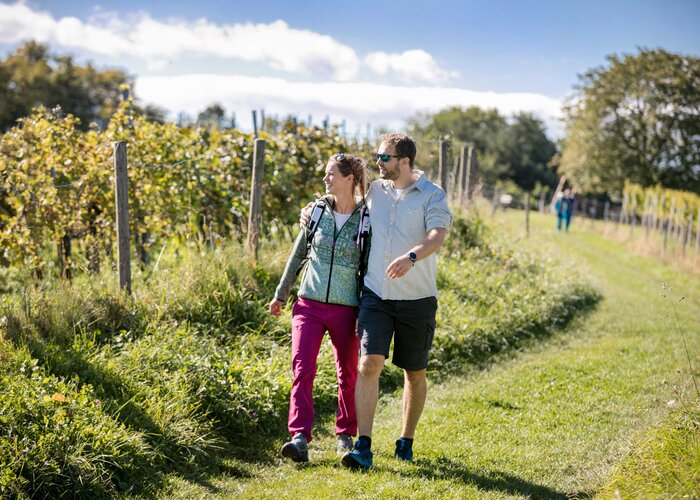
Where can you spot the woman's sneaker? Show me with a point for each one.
(344, 443)
(404, 450)
(297, 449)
(360, 457)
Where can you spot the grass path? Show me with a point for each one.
(551, 421)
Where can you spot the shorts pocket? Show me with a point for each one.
(429, 335)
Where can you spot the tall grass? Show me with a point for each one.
(666, 462)
(191, 368)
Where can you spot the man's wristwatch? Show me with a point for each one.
(413, 257)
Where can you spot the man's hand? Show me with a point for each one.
(433, 240)
(305, 214)
(399, 267)
(276, 306)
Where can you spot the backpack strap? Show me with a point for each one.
(363, 241)
(311, 226)
(316, 214)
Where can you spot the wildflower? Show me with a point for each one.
(58, 397)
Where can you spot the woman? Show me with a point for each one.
(327, 302)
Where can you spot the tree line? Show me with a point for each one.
(32, 76)
(512, 151)
(636, 118)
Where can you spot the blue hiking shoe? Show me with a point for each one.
(404, 450)
(360, 457)
(297, 449)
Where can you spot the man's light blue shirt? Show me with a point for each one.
(398, 225)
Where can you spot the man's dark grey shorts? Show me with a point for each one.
(410, 322)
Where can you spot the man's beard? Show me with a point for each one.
(390, 174)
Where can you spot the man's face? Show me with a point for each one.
(389, 169)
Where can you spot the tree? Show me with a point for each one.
(24, 78)
(519, 151)
(211, 116)
(526, 151)
(33, 77)
(637, 119)
(473, 126)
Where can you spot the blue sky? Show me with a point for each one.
(366, 62)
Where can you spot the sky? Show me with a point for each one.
(366, 62)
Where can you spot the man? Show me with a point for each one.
(570, 196)
(564, 208)
(409, 218)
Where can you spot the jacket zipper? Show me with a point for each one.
(335, 238)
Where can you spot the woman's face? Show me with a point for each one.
(335, 182)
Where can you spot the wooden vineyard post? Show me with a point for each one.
(669, 224)
(646, 215)
(442, 165)
(459, 169)
(688, 233)
(623, 211)
(494, 202)
(678, 225)
(454, 181)
(463, 174)
(527, 215)
(606, 211)
(593, 212)
(64, 256)
(470, 175)
(255, 215)
(121, 195)
(541, 205)
(697, 234)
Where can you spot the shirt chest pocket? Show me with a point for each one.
(410, 221)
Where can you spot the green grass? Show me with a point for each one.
(567, 417)
(189, 379)
(665, 463)
(54, 436)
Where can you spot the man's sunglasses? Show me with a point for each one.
(385, 157)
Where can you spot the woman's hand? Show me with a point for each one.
(276, 306)
(305, 215)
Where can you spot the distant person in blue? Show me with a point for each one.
(564, 208)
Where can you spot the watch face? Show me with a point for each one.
(412, 256)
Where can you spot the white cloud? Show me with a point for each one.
(412, 66)
(278, 46)
(18, 22)
(275, 44)
(359, 103)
